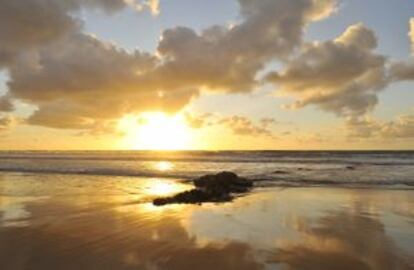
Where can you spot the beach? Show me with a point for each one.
(206, 135)
(65, 221)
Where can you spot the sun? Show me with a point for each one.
(156, 131)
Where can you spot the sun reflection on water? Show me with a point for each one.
(164, 188)
(164, 166)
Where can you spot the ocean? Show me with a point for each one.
(384, 169)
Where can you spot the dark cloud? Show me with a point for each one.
(89, 81)
(5, 104)
(402, 71)
(26, 25)
(341, 75)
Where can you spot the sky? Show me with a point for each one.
(196, 74)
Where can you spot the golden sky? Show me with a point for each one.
(231, 74)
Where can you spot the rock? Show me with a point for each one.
(350, 167)
(223, 182)
(210, 188)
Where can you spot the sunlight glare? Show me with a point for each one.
(164, 188)
(156, 131)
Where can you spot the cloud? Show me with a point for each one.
(80, 65)
(5, 104)
(243, 126)
(238, 125)
(26, 25)
(199, 121)
(411, 33)
(7, 123)
(358, 35)
(401, 128)
(229, 58)
(82, 80)
(404, 70)
(154, 6)
(341, 76)
(78, 81)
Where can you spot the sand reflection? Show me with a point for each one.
(316, 228)
(110, 239)
(159, 187)
(273, 229)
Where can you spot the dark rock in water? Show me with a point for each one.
(223, 182)
(210, 188)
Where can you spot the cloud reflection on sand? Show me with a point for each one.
(300, 228)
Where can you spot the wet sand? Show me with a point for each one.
(85, 222)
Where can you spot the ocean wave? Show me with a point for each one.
(392, 183)
(283, 168)
(288, 179)
(97, 172)
(385, 158)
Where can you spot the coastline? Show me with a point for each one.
(77, 222)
